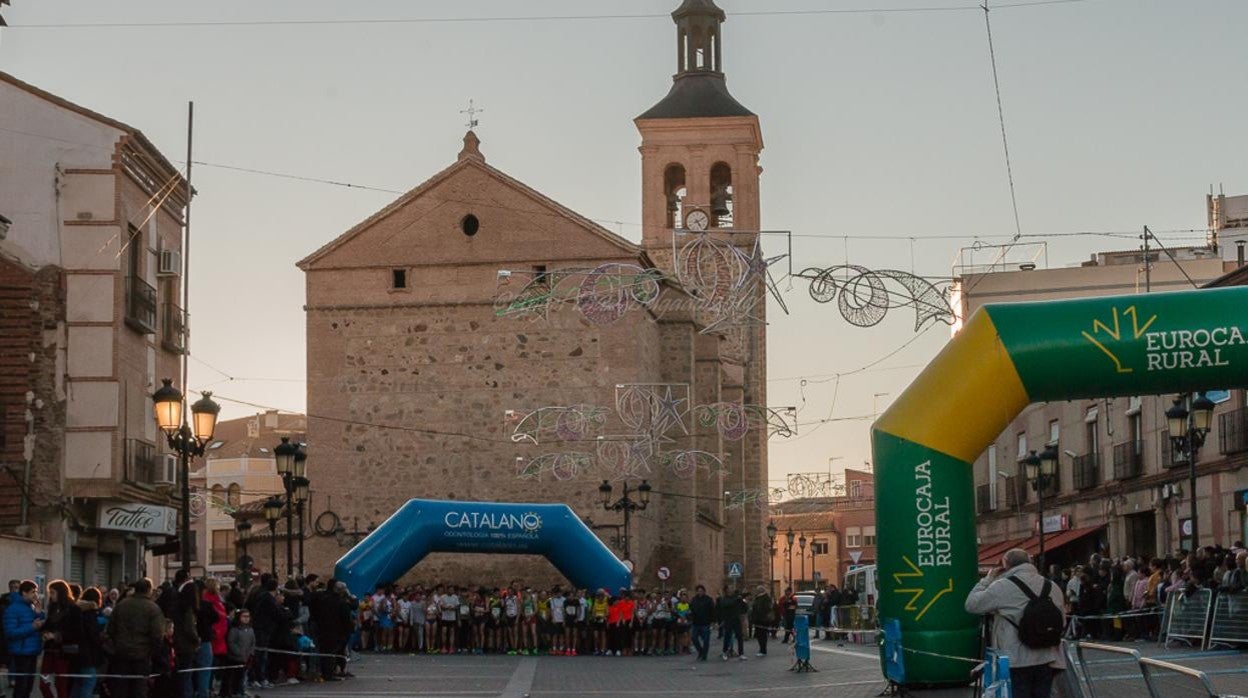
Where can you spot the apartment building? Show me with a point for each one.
(839, 535)
(90, 276)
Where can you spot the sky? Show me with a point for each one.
(882, 145)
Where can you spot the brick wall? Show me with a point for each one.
(31, 311)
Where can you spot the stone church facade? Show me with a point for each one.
(476, 340)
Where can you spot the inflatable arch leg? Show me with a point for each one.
(423, 526)
(1006, 357)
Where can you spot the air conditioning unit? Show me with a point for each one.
(166, 470)
(170, 263)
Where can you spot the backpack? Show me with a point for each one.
(1041, 624)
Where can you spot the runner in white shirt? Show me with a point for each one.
(449, 603)
(556, 617)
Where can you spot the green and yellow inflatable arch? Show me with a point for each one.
(1006, 357)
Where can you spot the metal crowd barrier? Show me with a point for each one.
(1110, 671)
(1168, 680)
(1229, 623)
(1189, 616)
(1106, 671)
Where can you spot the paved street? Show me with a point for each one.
(850, 671)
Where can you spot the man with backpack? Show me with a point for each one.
(1027, 621)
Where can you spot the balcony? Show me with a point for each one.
(194, 552)
(1128, 459)
(1233, 431)
(1087, 471)
(140, 305)
(1170, 457)
(172, 328)
(140, 460)
(983, 498)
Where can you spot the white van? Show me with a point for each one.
(862, 580)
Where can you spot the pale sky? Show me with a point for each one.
(1120, 113)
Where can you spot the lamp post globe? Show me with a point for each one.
(204, 414)
(284, 456)
(1202, 413)
(167, 405)
(604, 493)
(1176, 420)
(643, 493)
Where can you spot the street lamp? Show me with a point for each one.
(167, 404)
(771, 558)
(273, 512)
(301, 496)
(788, 552)
(285, 457)
(625, 504)
(1041, 469)
(1188, 430)
(801, 552)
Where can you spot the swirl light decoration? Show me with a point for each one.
(723, 279)
(602, 294)
(864, 296)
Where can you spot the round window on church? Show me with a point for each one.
(470, 225)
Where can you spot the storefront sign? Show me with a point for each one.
(138, 518)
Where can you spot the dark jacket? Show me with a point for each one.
(241, 643)
(136, 627)
(65, 623)
(264, 617)
(88, 638)
(185, 634)
(728, 608)
(701, 610)
(762, 610)
(24, 640)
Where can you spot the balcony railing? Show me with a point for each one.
(140, 460)
(1170, 457)
(1087, 471)
(172, 328)
(1128, 459)
(140, 305)
(983, 498)
(1233, 431)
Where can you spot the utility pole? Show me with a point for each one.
(1148, 263)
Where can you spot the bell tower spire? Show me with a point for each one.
(698, 37)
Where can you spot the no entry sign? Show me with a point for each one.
(664, 574)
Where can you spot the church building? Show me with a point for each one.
(475, 340)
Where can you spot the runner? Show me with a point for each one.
(557, 602)
(598, 622)
(449, 606)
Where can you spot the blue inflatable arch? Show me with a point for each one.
(423, 526)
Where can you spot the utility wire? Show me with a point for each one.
(1005, 144)
(514, 18)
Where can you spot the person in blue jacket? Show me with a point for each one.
(22, 622)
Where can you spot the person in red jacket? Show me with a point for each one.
(221, 628)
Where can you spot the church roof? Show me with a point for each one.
(697, 94)
(471, 157)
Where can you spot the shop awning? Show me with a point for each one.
(990, 553)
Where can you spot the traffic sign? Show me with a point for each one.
(664, 574)
(735, 570)
(855, 555)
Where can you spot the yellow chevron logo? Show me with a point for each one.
(1113, 329)
(916, 593)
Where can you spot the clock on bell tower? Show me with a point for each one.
(699, 145)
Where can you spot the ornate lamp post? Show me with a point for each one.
(301, 496)
(788, 552)
(1041, 470)
(625, 504)
(284, 455)
(273, 512)
(801, 552)
(1188, 430)
(771, 557)
(168, 403)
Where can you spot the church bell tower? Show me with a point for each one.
(699, 161)
(699, 145)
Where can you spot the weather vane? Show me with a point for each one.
(472, 112)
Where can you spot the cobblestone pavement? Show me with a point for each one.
(852, 671)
